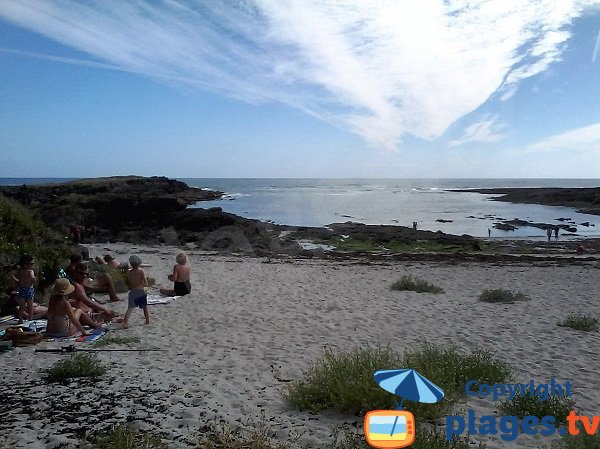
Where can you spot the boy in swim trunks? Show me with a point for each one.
(25, 278)
(136, 278)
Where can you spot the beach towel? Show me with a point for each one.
(4, 319)
(96, 334)
(158, 299)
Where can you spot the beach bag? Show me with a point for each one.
(21, 338)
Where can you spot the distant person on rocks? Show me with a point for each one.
(75, 233)
(25, 278)
(549, 233)
(136, 278)
(64, 320)
(180, 277)
(556, 233)
(415, 225)
(489, 232)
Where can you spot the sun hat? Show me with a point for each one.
(63, 287)
(135, 261)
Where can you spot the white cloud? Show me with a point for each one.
(596, 48)
(383, 69)
(573, 141)
(486, 131)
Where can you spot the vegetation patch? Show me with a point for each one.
(581, 323)
(344, 381)
(581, 441)
(503, 296)
(425, 439)
(253, 436)
(409, 283)
(396, 246)
(126, 437)
(534, 405)
(23, 232)
(115, 340)
(77, 365)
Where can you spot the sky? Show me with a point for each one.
(300, 88)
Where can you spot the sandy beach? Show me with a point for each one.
(251, 325)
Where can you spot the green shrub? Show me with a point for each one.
(534, 405)
(504, 296)
(119, 277)
(253, 436)
(415, 285)
(451, 370)
(344, 381)
(115, 340)
(78, 365)
(581, 323)
(581, 441)
(425, 439)
(125, 437)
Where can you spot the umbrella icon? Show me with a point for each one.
(408, 384)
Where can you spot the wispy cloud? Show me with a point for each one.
(573, 141)
(485, 131)
(382, 69)
(596, 48)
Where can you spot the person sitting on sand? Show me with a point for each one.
(136, 279)
(102, 284)
(110, 260)
(80, 300)
(64, 320)
(107, 260)
(180, 277)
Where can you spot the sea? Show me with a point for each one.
(319, 202)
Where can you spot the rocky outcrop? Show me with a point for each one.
(585, 200)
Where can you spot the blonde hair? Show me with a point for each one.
(181, 259)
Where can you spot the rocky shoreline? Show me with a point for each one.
(158, 210)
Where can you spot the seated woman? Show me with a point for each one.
(180, 277)
(102, 284)
(64, 320)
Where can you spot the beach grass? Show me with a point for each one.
(115, 340)
(119, 277)
(581, 323)
(414, 284)
(126, 437)
(581, 441)
(255, 435)
(344, 381)
(534, 405)
(78, 365)
(502, 296)
(345, 438)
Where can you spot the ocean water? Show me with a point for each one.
(318, 202)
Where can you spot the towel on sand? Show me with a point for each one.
(158, 299)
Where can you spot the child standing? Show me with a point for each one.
(25, 278)
(136, 278)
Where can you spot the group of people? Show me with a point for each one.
(70, 308)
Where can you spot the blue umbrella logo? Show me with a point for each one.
(409, 384)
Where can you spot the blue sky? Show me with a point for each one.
(310, 88)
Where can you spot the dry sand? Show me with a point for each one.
(249, 327)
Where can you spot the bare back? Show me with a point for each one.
(136, 278)
(181, 273)
(26, 277)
